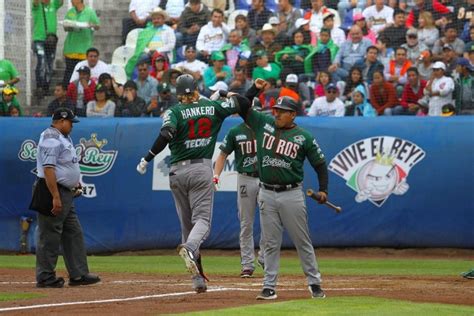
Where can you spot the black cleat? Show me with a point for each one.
(267, 294)
(316, 291)
(87, 279)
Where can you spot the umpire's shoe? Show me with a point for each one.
(189, 260)
(54, 283)
(316, 291)
(87, 279)
(267, 294)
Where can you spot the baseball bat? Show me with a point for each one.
(316, 196)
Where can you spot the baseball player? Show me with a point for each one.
(190, 128)
(282, 147)
(241, 140)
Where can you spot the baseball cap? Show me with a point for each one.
(267, 27)
(448, 46)
(300, 22)
(261, 53)
(286, 103)
(448, 110)
(273, 20)
(245, 55)
(9, 90)
(190, 47)
(329, 14)
(464, 62)
(100, 88)
(163, 87)
(331, 86)
(291, 78)
(65, 113)
(357, 17)
(217, 56)
(84, 69)
(219, 85)
(439, 65)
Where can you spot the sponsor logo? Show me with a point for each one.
(377, 167)
(249, 161)
(268, 161)
(269, 128)
(241, 137)
(93, 159)
(299, 139)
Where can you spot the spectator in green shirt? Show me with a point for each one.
(8, 73)
(80, 22)
(264, 69)
(8, 100)
(45, 22)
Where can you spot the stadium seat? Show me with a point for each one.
(122, 54)
(118, 73)
(132, 37)
(231, 18)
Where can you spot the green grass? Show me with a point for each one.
(18, 296)
(367, 306)
(289, 265)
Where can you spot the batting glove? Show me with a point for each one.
(141, 167)
(215, 181)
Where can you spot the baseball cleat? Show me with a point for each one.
(468, 274)
(316, 291)
(267, 294)
(246, 273)
(189, 260)
(199, 284)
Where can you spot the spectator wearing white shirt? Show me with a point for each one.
(213, 35)
(329, 105)
(378, 16)
(439, 90)
(92, 61)
(139, 15)
(316, 16)
(338, 36)
(191, 65)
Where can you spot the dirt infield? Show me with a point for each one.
(153, 294)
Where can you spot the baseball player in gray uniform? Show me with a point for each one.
(191, 128)
(241, 140)
(282, 147)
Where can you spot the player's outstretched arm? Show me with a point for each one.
(166, 135)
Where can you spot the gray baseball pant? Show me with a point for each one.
(247, 195)
(193, 194)
(279, 210)
(65, 231)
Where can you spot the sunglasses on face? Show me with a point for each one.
(332, 91)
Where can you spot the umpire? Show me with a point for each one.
(58, 180)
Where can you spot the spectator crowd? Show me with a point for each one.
(334, 58)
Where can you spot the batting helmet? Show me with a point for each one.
(185, 84)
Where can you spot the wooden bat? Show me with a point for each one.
(315, 196)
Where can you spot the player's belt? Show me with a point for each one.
(278, 187)
(250, 174)
(188, 162)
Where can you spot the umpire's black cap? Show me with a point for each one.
(286, 103)
(65, 113)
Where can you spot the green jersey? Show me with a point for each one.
(50, 10)
(197, 126)
(241, 140)
(281, 152)
(7, 70)
(78, 42)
